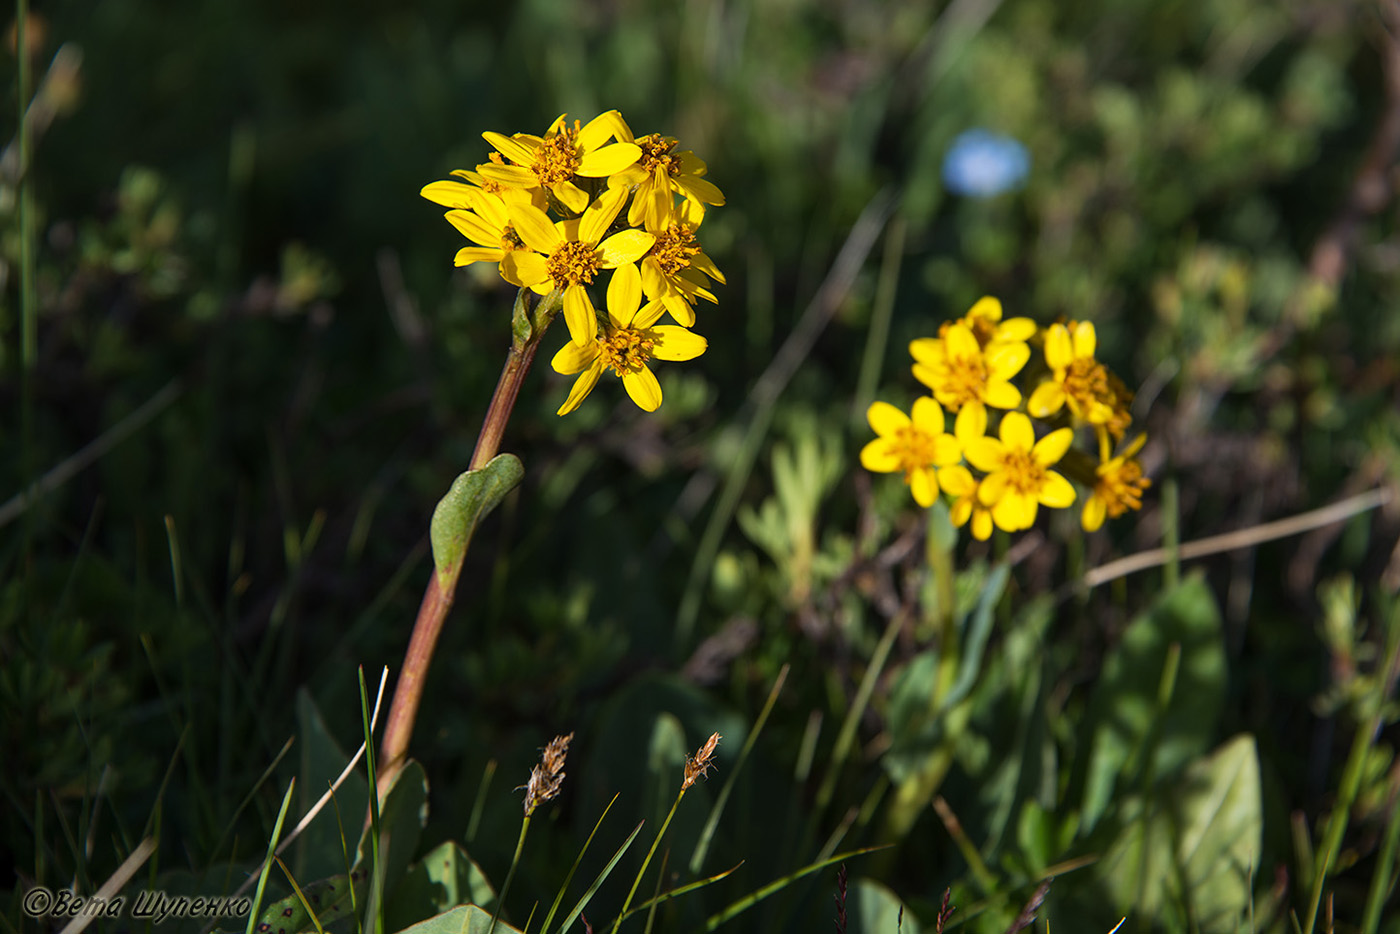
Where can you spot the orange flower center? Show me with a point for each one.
(1022, 472)
(1120, 486)
(573, 263)
(557, 159)
(961, 380)
(673, 249)
(656, 150)
(914, 449)
(627, 350)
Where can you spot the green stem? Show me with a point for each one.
(510, 873)
(646, 862)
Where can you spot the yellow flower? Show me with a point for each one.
(487, 224)
(674, 270)
(961, 373)
(463, 194)
(958, 483)
(1018, 476)
(983, 319)
(1117, 488)
(567, 255)
(914, 446)
(628, 341)
(553, 160)
(658, 175)
(1077, 379)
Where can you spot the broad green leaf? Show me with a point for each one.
(1135, 742)
(473, 494)
(443, 879)
(1191, 850)
(875, 908)
(319, 852)
(329, 898)
(467, 919)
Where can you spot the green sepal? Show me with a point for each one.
(474, 494)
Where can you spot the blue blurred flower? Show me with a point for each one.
(981, 163)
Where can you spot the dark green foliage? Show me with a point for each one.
(240, 296)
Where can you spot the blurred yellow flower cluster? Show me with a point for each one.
(1001, 480)
(556, 211)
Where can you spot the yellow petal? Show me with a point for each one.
(570, 195)
(649, 314)
(879, 456)
(451, 194)
(984, 453)
(706, 265)
(959, 343)
(961, 511)
(928, 350)
(609, 160)
(1059, 352)
(655, 201)
(986, 307)
(927, 415)
(957, 480)
(477, 254)
(925, 375)
(1016, 329)
(512, 149)
(993, 489)
(535, 228)
(1016, 432)
(924, 486)
(625, 247)
(523, 268)
(642, 386)
(981, 524)
(1014, 512)
(512, 176)
(1085, 340)
(600, 215)
(624, 294)
(597, 130)
(677, 343)
(572, 358)
(493, 210)
(582, 387)
(1049, 449)
(679, 308)
(1057, 492)
(1002, 395)
(1005, 360)
(1095, 511)
(946, 450)
(580, 316)
(700, 190)
(971, 423)
(474, 228)
(885, 419)
(1048, 398)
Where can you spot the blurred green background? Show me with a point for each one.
(227, 232)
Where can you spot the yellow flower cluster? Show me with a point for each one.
(549, 211)
(969, 368)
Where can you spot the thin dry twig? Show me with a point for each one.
(1243, 538)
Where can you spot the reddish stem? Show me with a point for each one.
(437, 598)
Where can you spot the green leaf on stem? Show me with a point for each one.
(474, 494)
